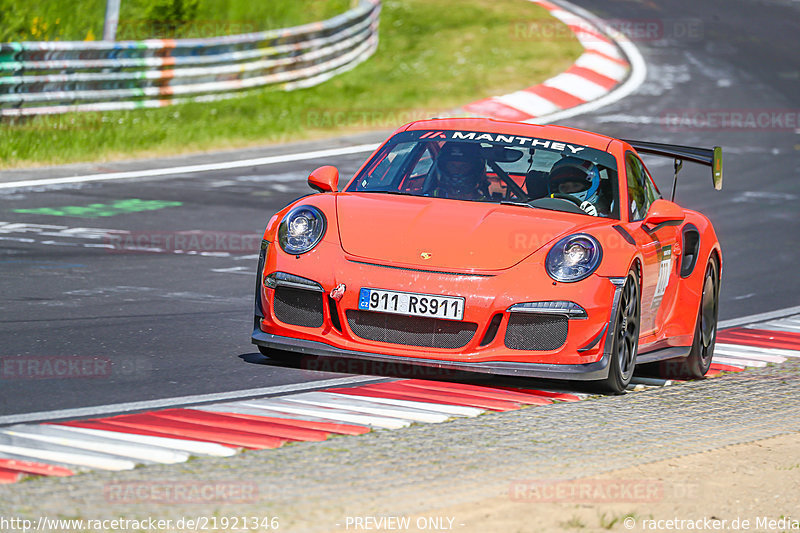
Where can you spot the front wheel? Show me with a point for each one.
(626, 337)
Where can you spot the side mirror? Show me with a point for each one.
(664, 211)
(324, 179)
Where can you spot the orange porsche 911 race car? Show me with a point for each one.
(497, 247)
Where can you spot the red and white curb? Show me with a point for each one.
(173, 435)
(610, 68)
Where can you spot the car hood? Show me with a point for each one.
(446, 234)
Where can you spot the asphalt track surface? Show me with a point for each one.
(169, 324)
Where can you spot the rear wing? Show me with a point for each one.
(711, 157)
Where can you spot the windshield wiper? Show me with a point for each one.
(399, 193)
(520, 204)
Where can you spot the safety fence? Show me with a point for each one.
(52, 77)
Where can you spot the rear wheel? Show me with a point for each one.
(705, 335)
(626, 338)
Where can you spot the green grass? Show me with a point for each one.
(573, 523)
(434, 55)
(78, 20)
(208, 18)
(51, 20)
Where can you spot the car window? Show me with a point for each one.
(497, 168)
(641, 191)
(650, 189)
(420, 171)
(382, 170)
(423, 165)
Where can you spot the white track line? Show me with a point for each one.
(191, 169)
(760, 317)
(790, 326)
(756, 356)
(590, 38)
(69, 458)
(451, 410)
(603, 66)
(191, 446)
(14, 457)
(141, 453)
(527, 102)
(84, 412)
(577, 86)
(332, 414)
(745, 350)
(600, 47)
(359, 405)
(248, 409)
(738, 361)
(729, 364)
(792, 321)
(565, 16)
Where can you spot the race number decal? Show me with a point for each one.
(664, 270)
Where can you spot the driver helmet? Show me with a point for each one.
(577, 177)
(461, 166)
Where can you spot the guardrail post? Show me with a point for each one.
(112, 19)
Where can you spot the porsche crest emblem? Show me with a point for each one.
(426, 255)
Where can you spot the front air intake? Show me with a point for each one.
(298, 307)
(535, 331)
(410, 330)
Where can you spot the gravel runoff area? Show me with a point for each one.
(317, 486)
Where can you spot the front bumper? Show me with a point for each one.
(580, 372)
(583, 356)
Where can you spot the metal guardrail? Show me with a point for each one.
(52, 77)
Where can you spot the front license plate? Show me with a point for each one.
(411, 304)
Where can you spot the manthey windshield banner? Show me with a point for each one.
(508, 140)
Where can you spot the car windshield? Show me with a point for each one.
(491, 167)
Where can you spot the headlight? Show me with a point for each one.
(574, 258)
(301, 229)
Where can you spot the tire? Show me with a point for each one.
(698, 362)
(626, 337)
